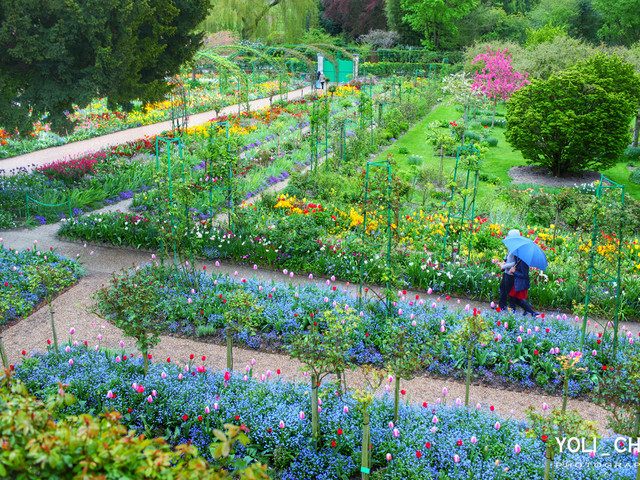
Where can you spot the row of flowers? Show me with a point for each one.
(184, 403)
(523, 350)
(22, 285)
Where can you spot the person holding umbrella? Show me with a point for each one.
(526, 253)
(518, 293)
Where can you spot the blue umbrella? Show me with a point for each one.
(527, 251)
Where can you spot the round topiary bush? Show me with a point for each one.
(492, 141)
(634, 176)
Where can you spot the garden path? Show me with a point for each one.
(48, 155)
(71, 310)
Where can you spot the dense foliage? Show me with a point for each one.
(577, 119)
(62, 53)
(95, 446)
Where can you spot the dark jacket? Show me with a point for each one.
(522, 276)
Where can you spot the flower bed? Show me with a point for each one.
(184, 404)
(21, 290)
(523, 350)
(97, 119)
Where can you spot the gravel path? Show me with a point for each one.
(71, 310)
(42, 157)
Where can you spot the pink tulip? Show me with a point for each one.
(301, 415)
(345, 409)
(456, 458)
(474, 440)
(216, 406)
(519, 339)
(154, 393)
(311, 276)
(180, 377)
(149, 399)
(497, 426)
(435, 419)
(517, 448)
(109, 394)
(545, 406)
(206, 410)
(72, 331)
(281, 424)
(163, 375)
(67, 349)
(391, 425)
(444, 391)
(71, 361)
(388, 457)
(396, 432)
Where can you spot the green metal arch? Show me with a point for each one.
(334, 47)
(293, 53)
(225, 63)
(267, 58)
(328, 55)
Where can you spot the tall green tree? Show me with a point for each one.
(436, 18)
(395, 20)
(621, 21)
(60, 52)
(577, 119)
(257, 18)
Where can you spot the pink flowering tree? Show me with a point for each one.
(497, 80)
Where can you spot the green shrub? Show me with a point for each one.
(471, 136)
(500, 122)
(632, 154)
(403, 151)
(414, 160)
(634, 176)
(85, 446)
(492, 141)
(490, 178)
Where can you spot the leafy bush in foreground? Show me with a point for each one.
(36, 444)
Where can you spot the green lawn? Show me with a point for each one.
(497, 162)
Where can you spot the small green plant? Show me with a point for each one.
(414, 159)
(473, 332)
(403, 151)
(49, 278)
(323, 351)
(242, 314)
(634, 176)
(492, 141)
(557, 424)
(632, 154)
(131, 302)
(400, 354)
(365, 397)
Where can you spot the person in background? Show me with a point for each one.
(322, 78)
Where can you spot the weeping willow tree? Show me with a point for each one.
(263, 18)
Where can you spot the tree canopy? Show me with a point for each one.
(64, 52)
(576, 119)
